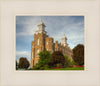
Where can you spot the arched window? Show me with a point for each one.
(37, 53)
(37, 41)
(47, 43)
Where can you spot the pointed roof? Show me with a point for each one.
(41, 22)
(64, 36)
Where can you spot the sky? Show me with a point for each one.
(56, 27)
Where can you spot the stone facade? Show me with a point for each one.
(43, 41)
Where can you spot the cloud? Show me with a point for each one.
(28, 25)
(73, 31)
(20, 54)
(28, 30)
(56, 27)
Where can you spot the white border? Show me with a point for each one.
(88, 77)
(33, 34)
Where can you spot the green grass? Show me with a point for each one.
(73, 68)
(69, 68)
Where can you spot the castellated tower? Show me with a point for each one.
(43, 41)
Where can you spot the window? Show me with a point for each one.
(38, 42)
(37, 53)
(47, 43)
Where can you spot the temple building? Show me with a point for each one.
(43, 41)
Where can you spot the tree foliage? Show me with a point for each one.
(78, 54)
(57, 58)
(68, 61)
(44, 57)
(23, 63)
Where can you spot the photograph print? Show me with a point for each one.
(49, 43)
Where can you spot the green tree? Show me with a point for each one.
(78, 54)
(44, 59)
(57, 58)
(68, 61)
(23, 63)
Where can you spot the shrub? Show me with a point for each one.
(41, 68)
(73, 63)
(45, 67)
(36, 67)
(59, 65)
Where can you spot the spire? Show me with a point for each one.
(41, 22)
(64, 36)
(41, 19)
(41, 26)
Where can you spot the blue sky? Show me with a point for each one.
(56, 27)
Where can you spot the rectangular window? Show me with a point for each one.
(37, 53)
(38, 42)
(47, 43)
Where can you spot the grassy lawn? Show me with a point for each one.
(73, 68)
(68, 68)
